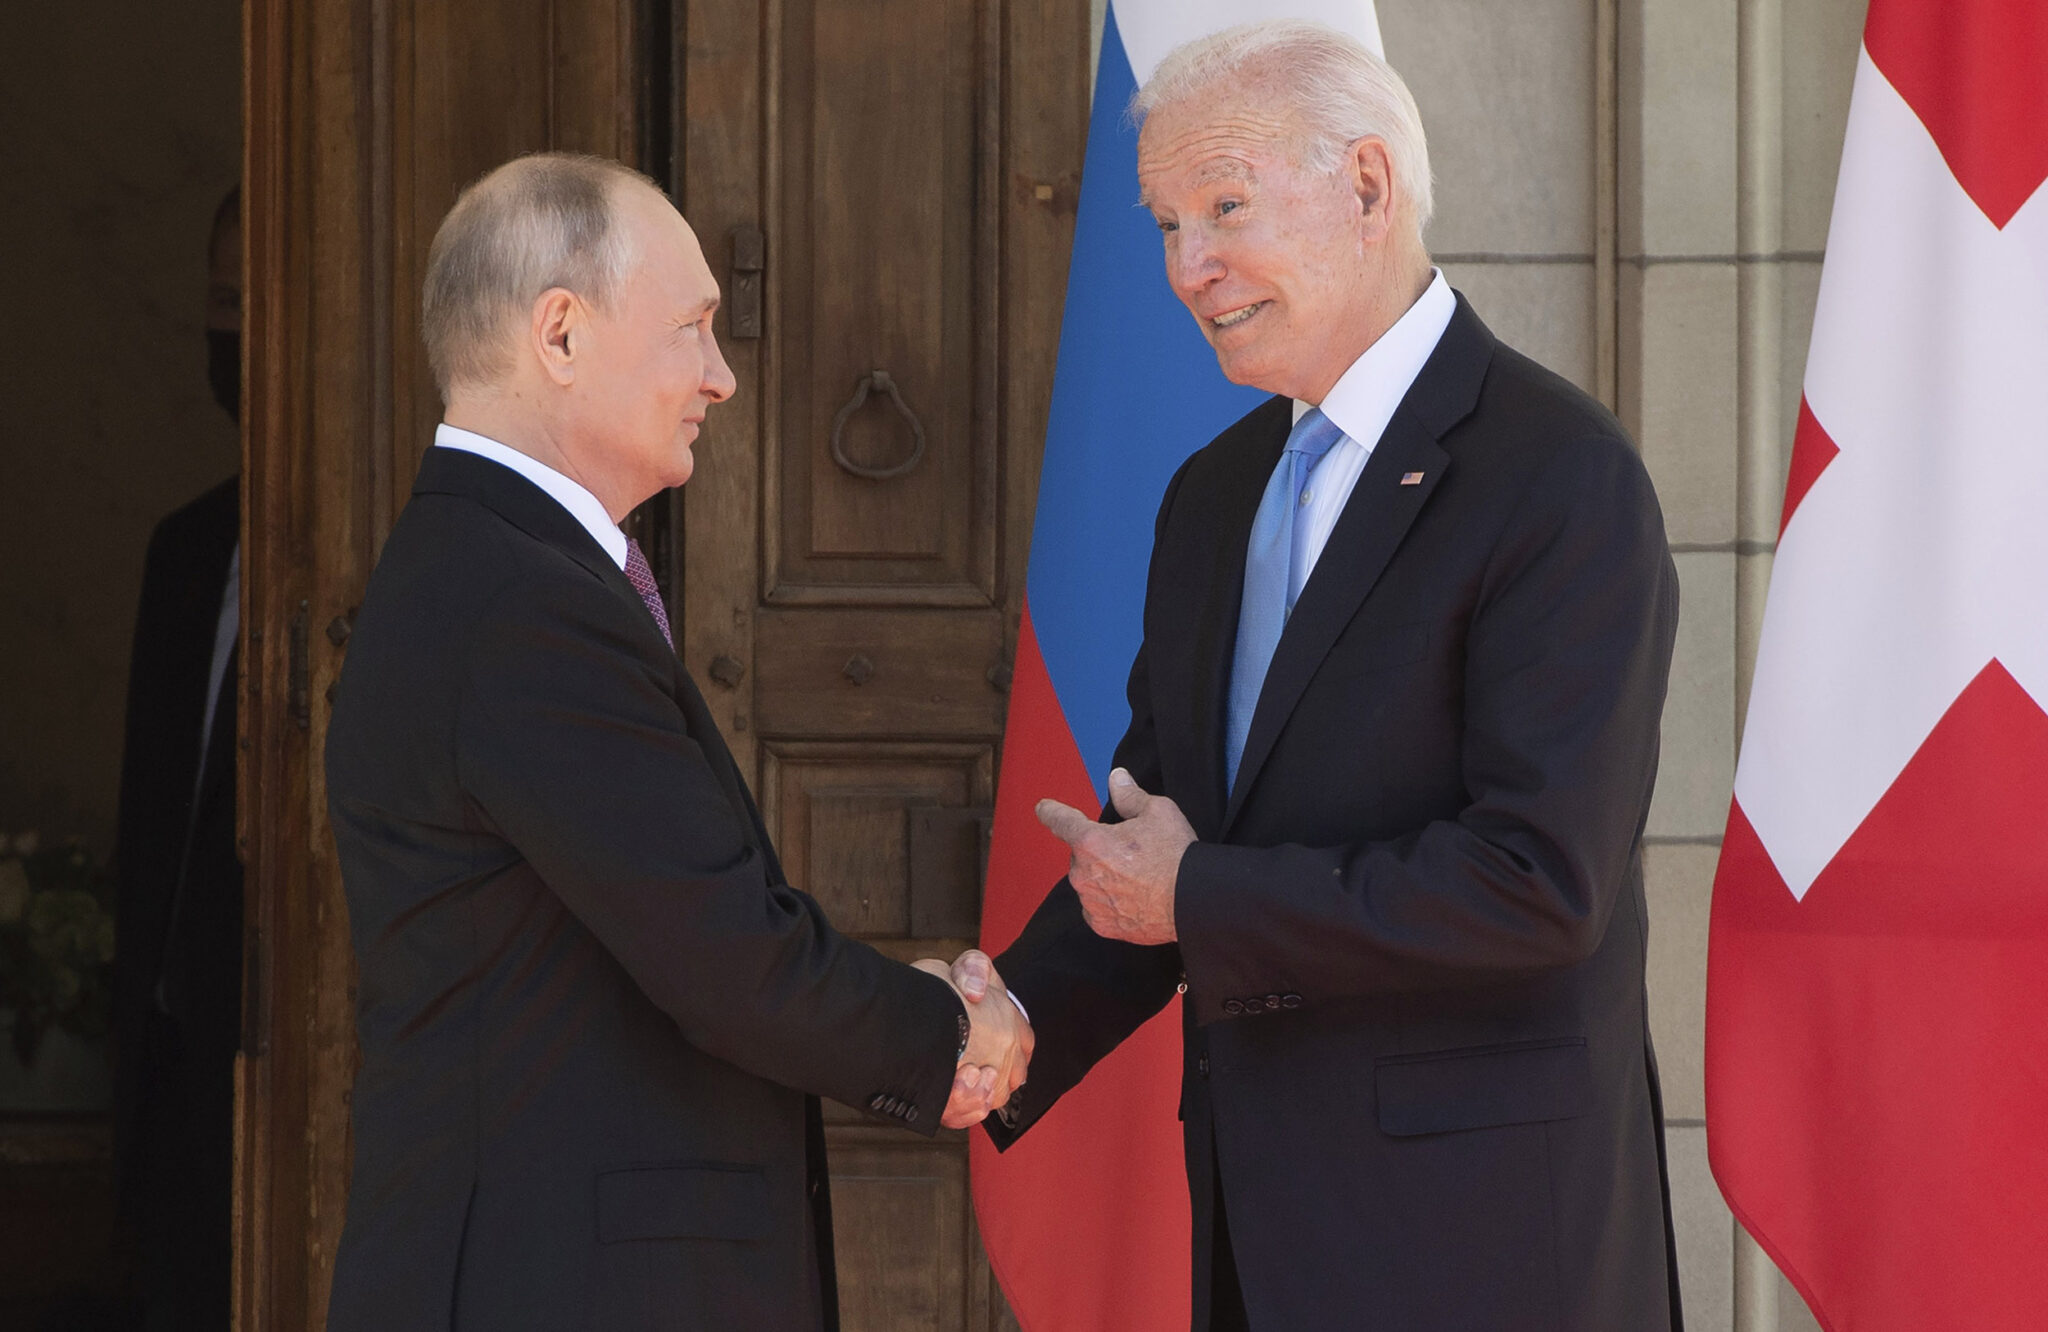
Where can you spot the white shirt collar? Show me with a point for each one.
(1364, 397)
(581, 504)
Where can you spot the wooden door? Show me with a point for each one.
(364, 120)
(900, 179)
(886, 189)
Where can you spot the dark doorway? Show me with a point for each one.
(123, 136)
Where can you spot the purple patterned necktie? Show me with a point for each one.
(641, 575)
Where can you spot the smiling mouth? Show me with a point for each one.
(1233, 318)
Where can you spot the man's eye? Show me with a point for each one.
(1228, 206)
(1168, 226)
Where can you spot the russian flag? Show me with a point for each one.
(1086, 1218)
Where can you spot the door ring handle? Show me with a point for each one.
(877, 380)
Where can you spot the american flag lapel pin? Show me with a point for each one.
(1411, 478)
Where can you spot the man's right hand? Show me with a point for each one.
(999, 1041)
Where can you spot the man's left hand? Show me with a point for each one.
(1124, 872)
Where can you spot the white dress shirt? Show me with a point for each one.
(1360, 404)
(581, 504)
(226, 626)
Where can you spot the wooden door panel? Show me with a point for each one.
(477, 85)
(878, 673)
(915, 1199)
(912, 166)
(364, 121)
(879, 264)
(851, 833)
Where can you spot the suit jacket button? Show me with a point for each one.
(911, 1114)
(1290, 1001)
(1233, 1006)
(878, 1102)
(1272, 1001)
(1202, 1065)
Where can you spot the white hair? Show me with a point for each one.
(541, 221)
(1338, 90)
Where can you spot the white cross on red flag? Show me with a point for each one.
(1877, 991)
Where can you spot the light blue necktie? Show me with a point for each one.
(1269, 577)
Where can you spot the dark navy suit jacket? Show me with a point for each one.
(178, 957)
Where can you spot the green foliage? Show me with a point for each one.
(56, 942)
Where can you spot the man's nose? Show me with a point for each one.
(1192, 264)
(719, 383)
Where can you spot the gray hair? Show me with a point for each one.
(1339, 91)
(535, 223)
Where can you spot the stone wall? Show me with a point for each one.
(1677, 158)
(123, 131)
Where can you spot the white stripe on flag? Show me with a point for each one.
(1151, 28)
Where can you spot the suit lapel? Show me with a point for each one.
(218, 777)
(1374, 521)
(1216, 620)
(1368, 532)
(535, 512)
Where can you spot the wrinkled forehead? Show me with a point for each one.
(1195, 143)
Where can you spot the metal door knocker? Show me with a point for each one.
(879, 379)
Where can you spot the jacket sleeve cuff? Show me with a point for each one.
(920, 1105)
(1215, 910)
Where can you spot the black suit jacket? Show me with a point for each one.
(178, 954)
(1413, 934)
(590, 1006)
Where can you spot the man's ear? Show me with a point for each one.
(558, 328)
(1372, 183)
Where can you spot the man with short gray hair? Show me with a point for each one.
(595, 1018)
(1393, 734)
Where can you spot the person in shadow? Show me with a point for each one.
(178, 969)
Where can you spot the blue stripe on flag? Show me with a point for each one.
(1136, 390)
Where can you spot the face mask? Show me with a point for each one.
(224, 369)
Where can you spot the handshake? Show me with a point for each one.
(999, 1039)
(1124, 875)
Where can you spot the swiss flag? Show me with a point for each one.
(1877, 986)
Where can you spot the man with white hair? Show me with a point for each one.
(1393, 735)
(595, 1019)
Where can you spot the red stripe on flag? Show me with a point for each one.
(1812, 451)
(1039, 760)
(1086, 1218)
(1876, 1071)
(1976, 73)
